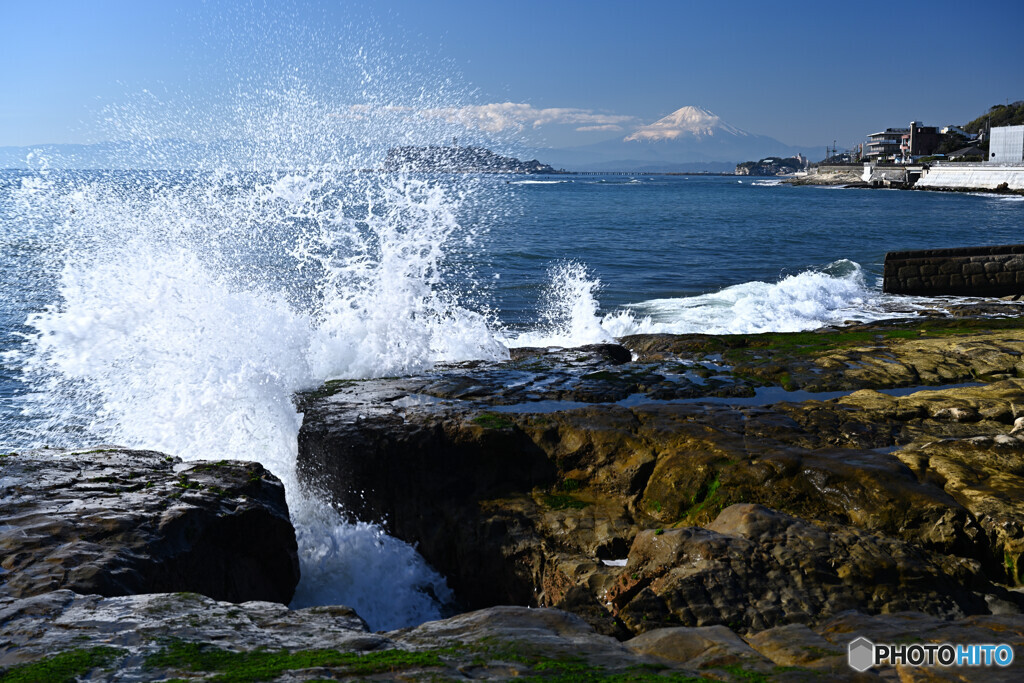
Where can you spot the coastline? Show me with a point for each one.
(766, 500)
(971, 178)
(831, 178)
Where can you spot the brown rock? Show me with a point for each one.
(699, 648)
(754, 568)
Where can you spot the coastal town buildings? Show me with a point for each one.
(969, 153)
(902, 145)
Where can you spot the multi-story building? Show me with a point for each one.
(922, 141)
(885, 146)
(903, 145)
(1006, 145)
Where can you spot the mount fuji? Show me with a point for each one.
(690, 138)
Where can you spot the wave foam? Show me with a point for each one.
(191, 308)
(1001, 197)
(568, 310)
(806, 301)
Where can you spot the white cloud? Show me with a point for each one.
(607, 126)
(502, 116)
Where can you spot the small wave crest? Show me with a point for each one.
(805, 301)
(833, 294)
(1001, 197)
(568, 310)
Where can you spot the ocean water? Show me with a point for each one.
(721, 254)
(180, 311)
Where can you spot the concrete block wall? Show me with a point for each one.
(888, 175)
(972, 177)
(968, 271)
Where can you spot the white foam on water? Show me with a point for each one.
(766, 183)
(805, 301)
(1001, 197)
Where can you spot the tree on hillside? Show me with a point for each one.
(998, 115)
(951, 142)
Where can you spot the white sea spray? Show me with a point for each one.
(837, 293)
(191, 305)
(568, 310)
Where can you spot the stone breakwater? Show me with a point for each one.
(972, 177)
(968, 271)
(688, 507)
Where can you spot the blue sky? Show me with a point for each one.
(803, 72)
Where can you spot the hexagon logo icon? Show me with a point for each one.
(861, 654)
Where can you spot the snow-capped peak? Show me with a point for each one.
(692, 121)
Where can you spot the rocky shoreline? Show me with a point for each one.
(692, 507)
(851, 178)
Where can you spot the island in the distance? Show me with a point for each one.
(770, 166)
(456, 159)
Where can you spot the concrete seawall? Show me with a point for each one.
(968, 271)
(972, 177)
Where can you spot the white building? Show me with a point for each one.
(959, 131)
(1006, 145)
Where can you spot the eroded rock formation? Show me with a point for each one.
(119, 522)
(683, 489)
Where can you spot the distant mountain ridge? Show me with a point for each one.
(687, 138)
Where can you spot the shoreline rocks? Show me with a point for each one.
(113, 521)
(557, 477)
(192, 637)
(675, 507)
(850, 178)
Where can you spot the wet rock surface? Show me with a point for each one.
(706, 482)
(186, 636)
(119, 522)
